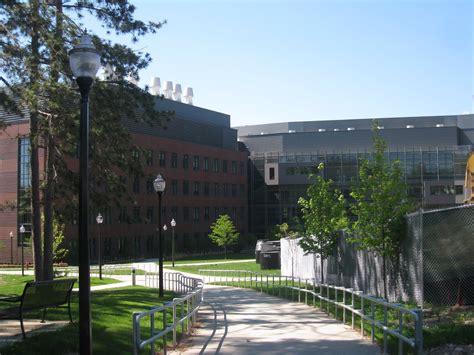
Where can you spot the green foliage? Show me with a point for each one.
(324, 215)
(283, 231)
(381, 202)
(59, 253)
(223, 232)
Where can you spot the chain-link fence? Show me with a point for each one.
(436, 263)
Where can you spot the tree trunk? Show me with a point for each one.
(322, 272)
(384, 261)
(34, 136)
(225, 252)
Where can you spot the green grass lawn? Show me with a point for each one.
(246, 266)
(111, 324)
(212, 258)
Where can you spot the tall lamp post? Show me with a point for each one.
(173, 224)
(22, 232)
(11, 247)
(84, 60)
(159, 184)
(99, 219)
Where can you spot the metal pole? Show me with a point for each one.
(99, 251)
(85, 334)
(11, 248)
(160, 248)
(22, 254)
(172, 245)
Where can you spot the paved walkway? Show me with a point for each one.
(241, 321)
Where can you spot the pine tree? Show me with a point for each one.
(223, 232)
(35, 38)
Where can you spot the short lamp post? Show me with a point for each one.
(159, 184)
(173, 224)
(22, 233)
(99, 219)
(84, 60)
(11, 247)
(165, 228)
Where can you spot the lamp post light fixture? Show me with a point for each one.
(84, 60)
(159, 185)
(22, 231)
(173, 224)
(11, 247)
(99, 219)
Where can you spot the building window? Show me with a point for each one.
(174, 212)
(242, 190)
(174, 160)
(150, 214)
(163, 213)
(215, 166)
(24, 197)
(107, 246)
(216, 212)
(196, 162)
(174, 187)
(234, 167)
(234, 190)
(225, 189)
(136, 214)
(122, 218)
(136, 245)
(206, 164)
(206, 189)
(185, 161)
(224, 166)
(216, 189)
(162, 158)
(241, 168)
(121, 245)
(242, 213)
(135, 154)
(206, 213)
(196, 214)
(136, 185)
(185, 214)
(233, 214)
(272, 173)
(149, 186)
(149, 157)
(196, 188)
(185, 187)
(149, 242)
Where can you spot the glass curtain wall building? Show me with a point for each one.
(282, 156)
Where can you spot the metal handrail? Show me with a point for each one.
(187, 307)
(293, 284)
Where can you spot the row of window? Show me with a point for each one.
(198, 162)
(198, 188)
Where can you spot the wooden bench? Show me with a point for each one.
(39, 295)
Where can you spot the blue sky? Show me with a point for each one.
(272, 61)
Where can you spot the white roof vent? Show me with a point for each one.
(106, 73)
(262, 133)
(322, 130)
(177, 92)
(168, 90)
(350, 128)
(188, 95)
(336, 129)
(380, 127)
(155, 86)
(131, 79)
(440, 125)
(291, 131)
(410, 126)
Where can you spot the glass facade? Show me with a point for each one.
(24, 190)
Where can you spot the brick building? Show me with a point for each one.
(198, 155)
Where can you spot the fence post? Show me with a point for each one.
(419, 331)
(400, 330)
(164, 327)
(372, 332)
(174, 325)
(134, 279)
(135, 332)
(353, 307)
(384, 331)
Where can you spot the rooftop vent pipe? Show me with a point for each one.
(155, 86)
(188, 95)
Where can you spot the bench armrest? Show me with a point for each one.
(10, 299)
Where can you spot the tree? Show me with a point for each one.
(59, 253)
(324, 215)
(35, 37)
(223, 232)
(381, 202)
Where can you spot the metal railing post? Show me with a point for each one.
(400, 330)
(419, 331)
(384, 331)
(372, 331)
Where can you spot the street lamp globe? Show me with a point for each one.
(84, 58)
(173, 223)
(11, 234)
(22, 229)
(99, 219)
(165, 228)
(159, 184)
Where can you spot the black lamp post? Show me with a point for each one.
(22, 233)
(84, 60)
(99, 219)
(159, 184)
(173, 224)
(11, 247)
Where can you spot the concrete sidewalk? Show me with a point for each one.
(241, 321)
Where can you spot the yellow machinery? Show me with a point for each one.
(469, 181)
